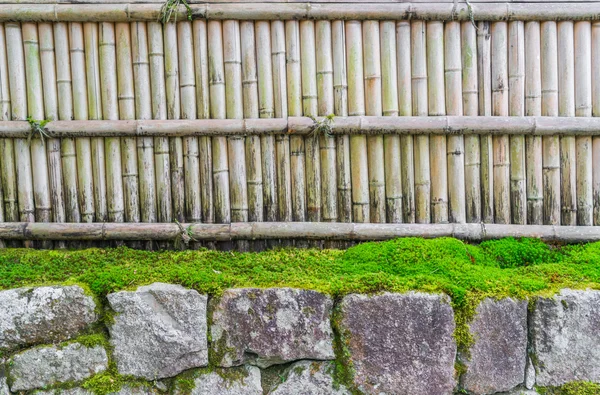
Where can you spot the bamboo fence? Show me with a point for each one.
(298, 121)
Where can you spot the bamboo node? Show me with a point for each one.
(37, 128)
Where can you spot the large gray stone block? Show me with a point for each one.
(159, 331)
(309, 378)
(243, 380)
(125, 390)
(45, 366)
(43, 315)
(400, 343)
(499, 352)
(264, 327)
(565, 333)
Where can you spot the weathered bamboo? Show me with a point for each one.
(454, 106)
(533, 107)
(471, 107)
(389, 92)
(340, 108)
(484, 72)
(407, 163)
(251, 110)
(310, 107)
(420, 108)
(583, 108)
(516, 107)
(596, 113)
(266, 109)
(356, 106)
(550, 144)
(566, 108)
(234, 108)
(325, 94)
(217, 110)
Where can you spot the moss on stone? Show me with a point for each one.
(574, 388)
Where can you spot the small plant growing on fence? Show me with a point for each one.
(37, 129)
(171, 7)
(323, 127)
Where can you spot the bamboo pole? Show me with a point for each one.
(110, 111)
(391, 143)
(420, 108)
(516, 107)
(484, 70)
(583, 108)
(550, 144)
(356, 106)
(533, 107)
(65, 112)
(407, 162)
(48, 65)
(284, 176)
(472, 155)
(251, 110)
(294, 99)
(340, 108)
(454, 106)
(566, 108)
(596, 113)
(500, 107)
(217, 110)
(266, 109)
(325, 94)
(125, 91)
(373, 106)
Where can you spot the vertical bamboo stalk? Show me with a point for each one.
(35, 109)
(533, 107)
(251, 110)
(92, 64)
(471, 108)
(407, 162)
(356, 106)
(583, 108)
(294, 98)
(392, 158)
(48, 64)
(310, 106)
(125, 91)
(217, 111)
(420, 108)
(373, 106)
(266, 109)
(500, 107)
(159, 111)
(65, 112)
(596, 113)
(340, 108)
(284, 176)
(566, 108)
(484, 73)
(454, 106)
(110, 111)
(516, 104)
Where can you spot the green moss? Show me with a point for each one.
(574, 388)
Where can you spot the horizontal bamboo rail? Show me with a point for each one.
(290, 230)
(450, 125)
(128, 12)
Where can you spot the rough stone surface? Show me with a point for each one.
(264, 327)
(400, 343)
(3, 384)
(125, 390)
(565, 337)
(43, 315)
(158, 331)
(44, 366)
(499, 352)
(244, 380)
(309, 378)
(522, 392)
(529, 375)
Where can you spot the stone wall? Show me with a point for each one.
(166, 338)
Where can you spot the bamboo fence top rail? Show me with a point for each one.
(586, 126)
(290, 230)
(126, 12)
